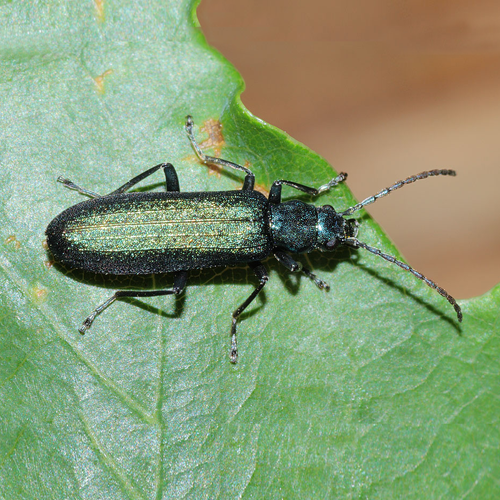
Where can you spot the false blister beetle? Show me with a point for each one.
(144, 233)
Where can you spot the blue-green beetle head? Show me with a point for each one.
(333, 229)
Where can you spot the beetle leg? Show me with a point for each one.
(71, 185)
(295, 267)
(249, 181)
(275, 192)
(180, 281)
(171, 180)
(261, 273)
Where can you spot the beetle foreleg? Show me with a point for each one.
(180, 281)
(295, 267)
(261, 273)
(275, 192)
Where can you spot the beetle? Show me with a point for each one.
(142, 233)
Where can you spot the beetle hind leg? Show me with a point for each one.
(180, 282)
(171, 179)
(71, 185)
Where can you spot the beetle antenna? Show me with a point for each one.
(397, 185)
(354, 242)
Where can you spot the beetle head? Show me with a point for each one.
(333, 229)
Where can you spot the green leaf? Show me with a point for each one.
(371, 390)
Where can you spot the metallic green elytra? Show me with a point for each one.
(146, 233)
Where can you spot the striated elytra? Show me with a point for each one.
(161, 232)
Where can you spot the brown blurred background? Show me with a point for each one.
(384, 89)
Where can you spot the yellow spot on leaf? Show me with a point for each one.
(39, 294)
(261, 189)
(12, 239)
(99, 10)
(215, 140)
(99, 80)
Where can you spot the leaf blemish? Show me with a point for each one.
(261, 189)
(39, 294)
(99, 80)
(215, 140)
(12, 239)
(99, 9)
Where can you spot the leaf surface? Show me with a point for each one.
(371, 390)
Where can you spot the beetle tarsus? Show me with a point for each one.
(334, 182)
(322, 285)
(98, 310)
(87, 323)
(233, 353)
(74, 187)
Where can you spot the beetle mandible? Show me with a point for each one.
(144, 233)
